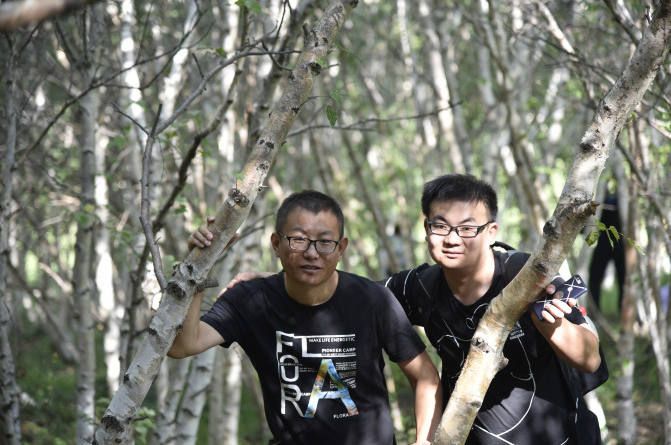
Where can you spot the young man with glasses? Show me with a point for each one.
(315, 335)
(530, 401)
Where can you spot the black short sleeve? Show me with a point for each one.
(399, 338)
(227, 314)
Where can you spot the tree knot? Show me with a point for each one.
(315, 68)
(111, 423)
(238, 197)
(550, 229)
(481, 344)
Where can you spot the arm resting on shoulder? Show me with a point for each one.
(195, 336)
(423, 378)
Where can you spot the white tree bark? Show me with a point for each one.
(655, 318)
(411, 87)
(113, 309)
(226, 139)
(116, 423)
(626, 414)
(232, 396)
(174, 81)
(195, 395)
(574, 207)
(175, 373)
(83, 275)
(453, 136)
(9, 389)
(104, 270)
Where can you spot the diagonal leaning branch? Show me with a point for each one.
(575, 205)
(116, 424)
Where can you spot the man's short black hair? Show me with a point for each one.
(312, 201)
(456, 187)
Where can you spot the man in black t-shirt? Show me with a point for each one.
(529, 401)
(315, 335)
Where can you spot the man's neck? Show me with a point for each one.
(311, 295)
(471, 284)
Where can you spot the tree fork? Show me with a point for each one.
(574, 206)
(116, 424)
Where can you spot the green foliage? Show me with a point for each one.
(335, 106)
(251, 5)
(331, 115)
(592, 238)
(180, 206)
(51, 384)
(144, 425)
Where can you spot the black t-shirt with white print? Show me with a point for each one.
(527, 401)
(320, 367)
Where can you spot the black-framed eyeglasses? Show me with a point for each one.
(302, 244)
(441, 228)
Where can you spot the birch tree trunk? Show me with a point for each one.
(656, 320)
(232, 396)
(116, 424)
(83, 282)
(574, 207)
(224, 397)
(197, 384)
(216, 401)
(452, 131)
(9, 390)
(626, 414)
(165, 432)
(195, 394)
(121, 313)
(427, 132)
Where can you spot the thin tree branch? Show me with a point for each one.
(358, 126)
(145, 219)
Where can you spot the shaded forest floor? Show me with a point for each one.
(48, 416)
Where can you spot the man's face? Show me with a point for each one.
(453, 251)
(310, 267)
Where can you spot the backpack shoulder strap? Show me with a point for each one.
(512, 261)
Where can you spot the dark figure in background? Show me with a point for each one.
(605, 252)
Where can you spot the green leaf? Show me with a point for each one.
(331, 115)
(220, 52)
(601, 226)
(592, 237)
(614, 232)
(180, 209)
(251, 5)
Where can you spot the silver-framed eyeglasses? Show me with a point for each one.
(302, 244)
(441, 228)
